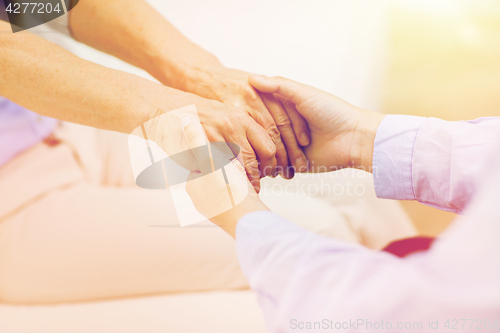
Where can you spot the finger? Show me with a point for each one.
(299, 124)
(292, 90)
(261, 115)
(259, 141)
(251, 166)
(282, 156)
(246, 152)
(197, 142)
(295, 155)
(273, 107)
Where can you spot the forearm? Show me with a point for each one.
(137, 34)
(61, 85)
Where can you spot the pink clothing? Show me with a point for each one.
(306, 281)
(20, 129)
(74, 227)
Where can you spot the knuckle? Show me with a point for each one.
(250, 94)
(283, 122)
(274, 133)
(242, 115)
(270, 150)
(230, 128)
(226, 123)
(252, 166)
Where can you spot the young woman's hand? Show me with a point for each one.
(342, 135)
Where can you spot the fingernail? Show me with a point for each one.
(304, 139)
(301, 164)
(185, 120)
(289, 173)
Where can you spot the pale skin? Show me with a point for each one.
(342, 136)
(65, 87)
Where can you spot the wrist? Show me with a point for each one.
(193, 74)
(207, 81)
(361, 154)
(229, 220)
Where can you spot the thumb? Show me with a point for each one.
(197, 142)
(297, 92)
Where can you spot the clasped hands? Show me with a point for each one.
(270, 136)
(341, 136)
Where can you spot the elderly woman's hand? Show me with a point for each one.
(221, 124)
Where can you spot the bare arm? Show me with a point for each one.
(134, 32)
(44, 77)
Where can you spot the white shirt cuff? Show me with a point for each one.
(392, 156)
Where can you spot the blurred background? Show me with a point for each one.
(443, 61)
(433, 58)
